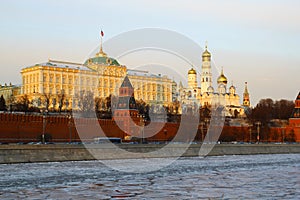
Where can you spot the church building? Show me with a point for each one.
(207, 95)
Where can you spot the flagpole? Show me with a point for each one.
(101, 53)
(101, 50)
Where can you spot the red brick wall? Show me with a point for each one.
(27, 128)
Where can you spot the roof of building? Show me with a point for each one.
(192, 71)
(206, 53)
(126, 82)
(61, 64)
(222, 78)
(131, 72)
(104, 60)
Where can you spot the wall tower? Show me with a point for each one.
(246, 96)
(126, 114)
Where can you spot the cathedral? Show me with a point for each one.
(207, 96)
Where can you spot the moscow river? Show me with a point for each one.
(217, 177)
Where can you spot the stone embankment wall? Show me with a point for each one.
(64, 152)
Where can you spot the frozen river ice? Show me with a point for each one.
(220, 177)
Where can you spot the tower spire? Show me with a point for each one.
(246, 97)
(246, 88)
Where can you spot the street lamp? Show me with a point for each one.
(142, 125)
(250, 134)
(206, 125)
(70, 127)
(258, 129)
(282, 134)
(44, 128)
(202, 124)
(11, 102)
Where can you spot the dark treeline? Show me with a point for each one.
(267, 109)
(264, 111)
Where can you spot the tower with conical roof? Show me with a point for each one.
(293, 130)
(296, 111)
(126, 114)
(246, 96)
(206, 76)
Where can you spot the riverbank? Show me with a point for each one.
(68, 152)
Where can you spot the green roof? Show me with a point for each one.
(102, 60)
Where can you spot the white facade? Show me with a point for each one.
(206, 95)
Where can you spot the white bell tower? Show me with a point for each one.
(206, 76)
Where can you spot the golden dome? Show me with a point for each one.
(192, 71)
(222, 78)
(206, 53)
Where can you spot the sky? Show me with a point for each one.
(255, 41)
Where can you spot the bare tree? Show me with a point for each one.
(267, 110)
(86, 103)
(46, 97)
(23, 104)
(61, 100)
(2, 104)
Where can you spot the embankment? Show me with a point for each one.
(64, 152)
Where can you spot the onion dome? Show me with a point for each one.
(222, 78)
(206, 54)
(232, 87)
(192, 71)
(210, 89)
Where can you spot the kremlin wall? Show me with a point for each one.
(15, 128)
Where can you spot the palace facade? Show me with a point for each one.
(101, 75)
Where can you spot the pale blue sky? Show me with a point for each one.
(255, 41)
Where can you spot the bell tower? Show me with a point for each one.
(206, 76)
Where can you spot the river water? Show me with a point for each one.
(218, 177)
